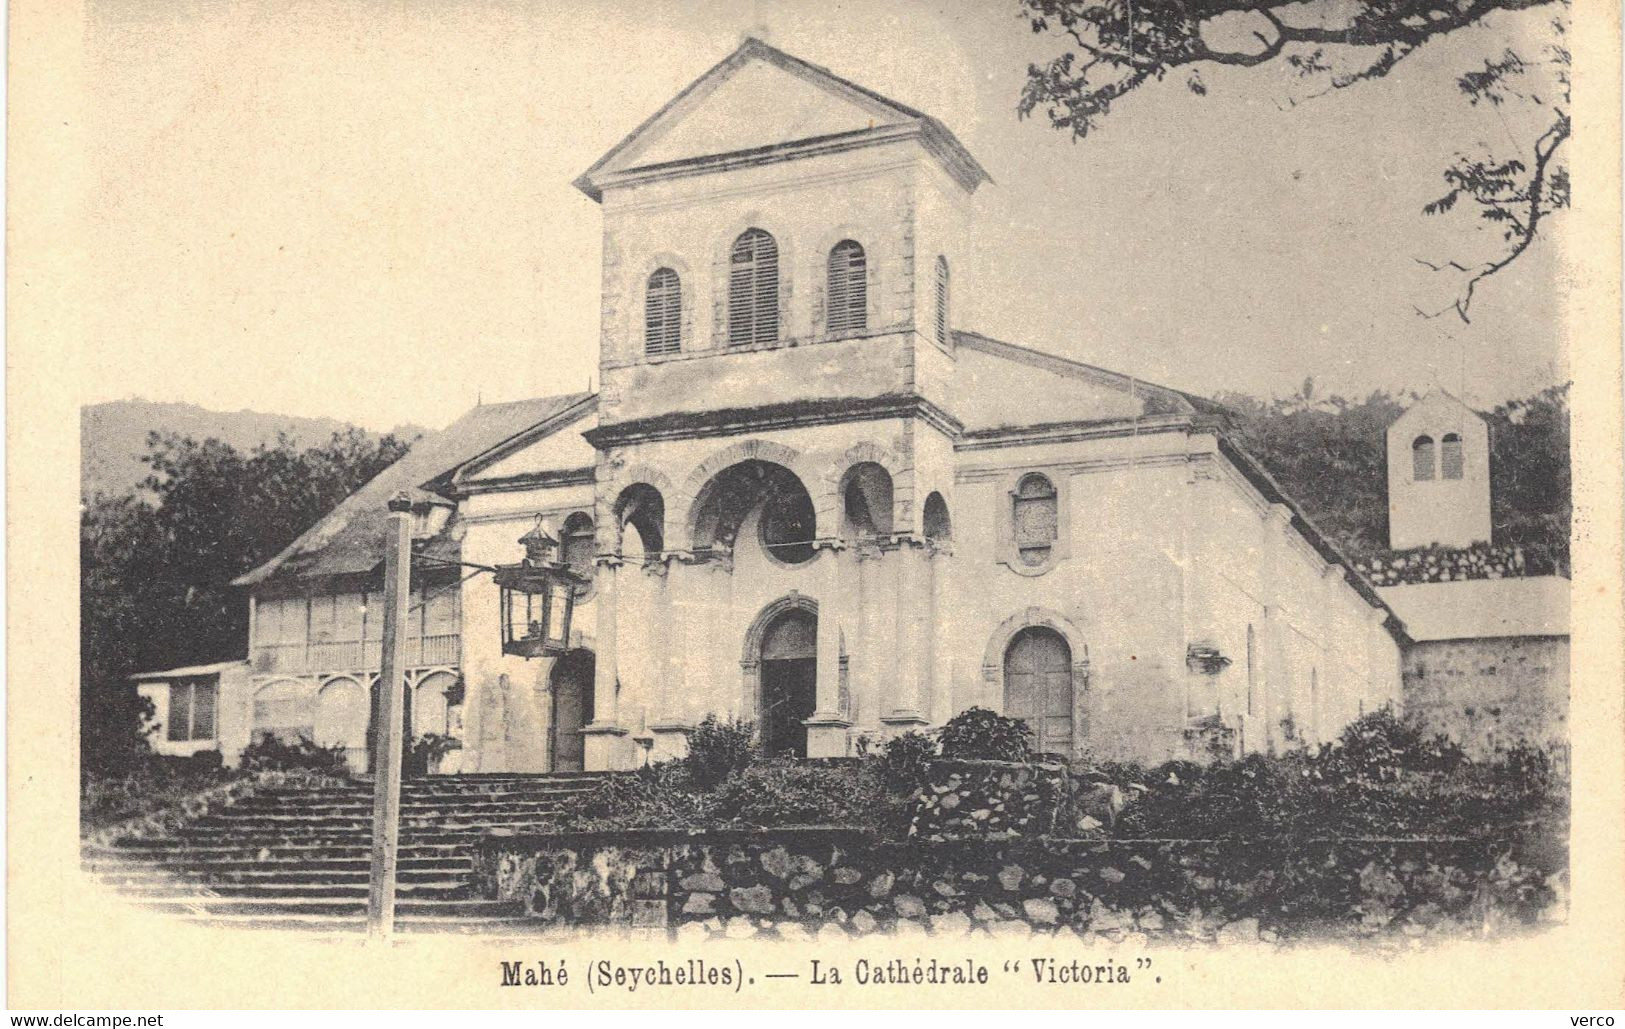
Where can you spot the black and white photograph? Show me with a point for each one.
(811, 495)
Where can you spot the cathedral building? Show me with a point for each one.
(807, 496)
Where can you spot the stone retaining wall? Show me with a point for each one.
(796, 883)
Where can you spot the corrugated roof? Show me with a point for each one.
(187, 671)
(351, 538)
(1482, 608)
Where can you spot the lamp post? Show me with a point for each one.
(386, 787)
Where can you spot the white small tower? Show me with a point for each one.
(1438, 475)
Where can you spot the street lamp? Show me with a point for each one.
(538, 598)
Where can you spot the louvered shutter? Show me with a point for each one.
(663, 313)
(1422, 459)
(753, 290)
(1450, 461)
(942, 301)
(203, 704)
(180, 711)
(848, 287)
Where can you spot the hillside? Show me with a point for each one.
(113, 436)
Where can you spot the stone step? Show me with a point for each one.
(363, 808)
(185, 889)
(256, 839)
(239, 864)
(215, 876)
(278, 906)
(249, 831)
(430, 816)
(487, 925)
(162, 849)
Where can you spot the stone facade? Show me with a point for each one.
(847, 528)
(797, 884)
(1491, 694)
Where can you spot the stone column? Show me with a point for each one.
(673, 715)
(906, 711)
(605, 738)
(826, 729)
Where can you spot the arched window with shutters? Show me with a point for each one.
(663, 313)
(753, 289)
(1422, 459)
(1450, 461)
(1034, 518)
(942, 301)
(848, 288)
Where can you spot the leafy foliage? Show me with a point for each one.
(1113, 47)
(908, 757)
(978, 733)
(154, 577)
(147, 784)
(1330, 454)
(419, 755)
(719, 749)
(1381, 777)
(270, 754)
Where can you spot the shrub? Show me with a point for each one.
(419, 756)
(717, 749)
(145, 786)
(1381, 746)
(978, 733)
(270, 754)
(785, 792)
(908, 758)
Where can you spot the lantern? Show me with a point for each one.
(538, 598)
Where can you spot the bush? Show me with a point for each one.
(979, 734)
(270, 754)
(908, 758)
(1382, 746)
(785, 792)
(717, 749)
(419, 756)
(146, 786)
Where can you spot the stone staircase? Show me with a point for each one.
(298, 858)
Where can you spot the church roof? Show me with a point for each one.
(351, 538)
(826, 113)
(1482, 608)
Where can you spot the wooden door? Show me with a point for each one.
(789, 685)
(1038, 688)
(572, 710)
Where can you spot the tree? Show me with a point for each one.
(155, 577)
(1117, 46)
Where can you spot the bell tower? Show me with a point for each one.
(777, 236)
(1438, 475)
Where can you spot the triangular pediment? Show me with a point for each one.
(760, 105)
(762, 102)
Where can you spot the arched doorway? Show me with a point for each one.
(1038, 687)
(571, 687)
(789, 678)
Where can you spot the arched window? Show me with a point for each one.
(663, 313)
(1034, 519)
(578, 545)
(937, 524)
(642, 509)
(753, 289)
(867, 500)
(942, 301)
(848, 288)
(1450, 456)
(1422, 459)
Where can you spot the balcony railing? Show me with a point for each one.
(353, 655)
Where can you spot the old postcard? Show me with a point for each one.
(998, 503)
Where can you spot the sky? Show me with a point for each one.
(363, 210)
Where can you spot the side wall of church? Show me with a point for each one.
(1489, 694)
(507, 706)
